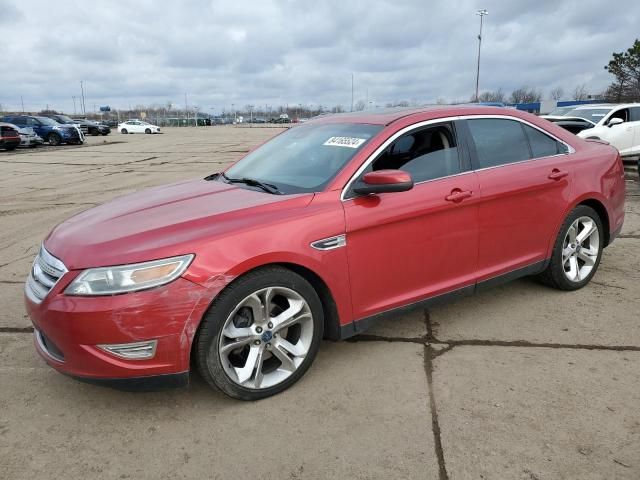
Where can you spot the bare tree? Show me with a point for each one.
(557, 93)
(525, 94)
(580, 92)
(496, 96)
(359, 106)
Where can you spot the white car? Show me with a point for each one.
(137, 126)
(617, 124)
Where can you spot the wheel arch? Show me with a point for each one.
(590, 200)
(602, 212)
(331, 316)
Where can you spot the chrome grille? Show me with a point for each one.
(45, 273)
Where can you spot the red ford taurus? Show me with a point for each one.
(319, 232)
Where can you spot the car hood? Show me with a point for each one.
(571, 119)
(162, 222)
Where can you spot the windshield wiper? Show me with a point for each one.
(252, 182)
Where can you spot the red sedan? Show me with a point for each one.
(319, 232)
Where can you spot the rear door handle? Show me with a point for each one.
(458, 195)
(557, 174)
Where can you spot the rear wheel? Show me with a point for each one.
(124, 131)
(10, 147)
(94, 132)
(54, 139)
(577, 251)
(260, 335)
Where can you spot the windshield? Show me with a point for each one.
(64, 119)
(304, 158)
(560, 111)
(592, 114)
(47, 121)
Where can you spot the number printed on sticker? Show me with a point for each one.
(349, 142)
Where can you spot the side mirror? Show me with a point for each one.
(383, 181)
(614, 121)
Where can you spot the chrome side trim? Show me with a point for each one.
(399, 133)
(330, 243)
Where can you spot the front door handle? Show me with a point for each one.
(458, 195)
(557, 174)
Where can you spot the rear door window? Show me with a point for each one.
(634, 113)
(498, 141)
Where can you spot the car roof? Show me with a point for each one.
(386, 116)
(606, 106)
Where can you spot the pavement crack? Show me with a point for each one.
(435, 424)
(364, 337)
(629, 236)
(16, 329)
(525, 344)
(602, 284)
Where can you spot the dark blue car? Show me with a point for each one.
(50, 130)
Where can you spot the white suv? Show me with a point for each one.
(617, 124)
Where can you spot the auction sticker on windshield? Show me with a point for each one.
(349, 142)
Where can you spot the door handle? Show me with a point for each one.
(557, 174)
(458, 195)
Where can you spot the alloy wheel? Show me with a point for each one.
(580, 249)
(266, 338)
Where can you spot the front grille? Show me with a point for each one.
(45, 273)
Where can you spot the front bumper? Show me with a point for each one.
(69, 329)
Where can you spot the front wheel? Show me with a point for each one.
(148, 130)
(577, 251)
(261, 334)
(54, 139)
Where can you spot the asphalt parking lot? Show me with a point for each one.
(521, 382)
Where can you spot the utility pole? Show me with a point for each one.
(481, 14)
(352, 91)
(22, 101)
(186, 108)
(84, 110)
(74, 105)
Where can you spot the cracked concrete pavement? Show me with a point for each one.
(519, 382)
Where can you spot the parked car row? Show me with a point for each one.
(47, 129)
(617, 124)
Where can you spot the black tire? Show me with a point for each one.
(105, 134)
(124, 131)
(206, 343)
(147, 131)
(554, 275)
(10, 148)
(54, 139)
(94, 132)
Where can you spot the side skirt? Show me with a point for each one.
(360, 326)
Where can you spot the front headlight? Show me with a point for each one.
(128, 278)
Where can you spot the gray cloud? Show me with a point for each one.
(276, 52)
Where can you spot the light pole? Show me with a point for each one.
(481, 14)
(352, 92)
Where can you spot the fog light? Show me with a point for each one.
(132, 351)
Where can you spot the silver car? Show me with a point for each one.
(28, 136)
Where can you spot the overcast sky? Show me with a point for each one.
(298, 51)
